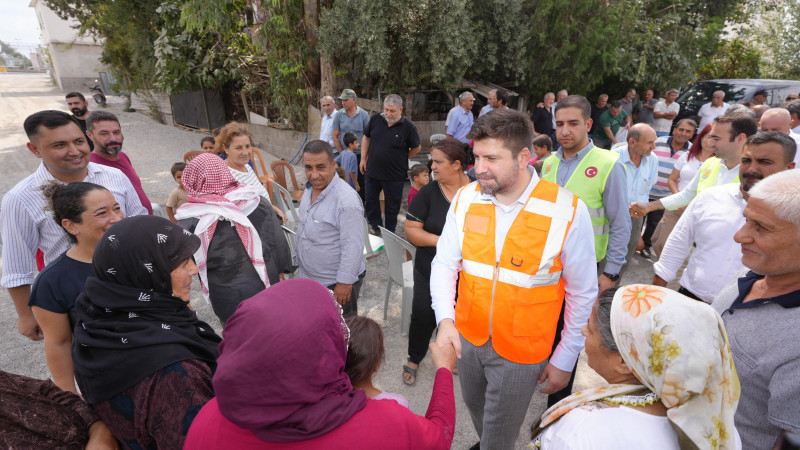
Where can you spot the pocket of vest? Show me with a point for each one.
(537, 316)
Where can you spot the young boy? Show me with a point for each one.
(178, 196)
(348, 161)
(419, 177)
(542, 146)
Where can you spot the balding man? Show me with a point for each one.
(328, 114)
(491, 102)
(543, 117)
(462, 119)
(761, 311)
(780, 120)
(641, 170)
(712, 110)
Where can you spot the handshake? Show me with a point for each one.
(447, 346)
(639, 210)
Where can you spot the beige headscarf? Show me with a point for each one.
(678, 349)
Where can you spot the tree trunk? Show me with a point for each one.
(328, 82)
(311, 15)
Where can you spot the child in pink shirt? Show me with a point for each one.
(419, 177)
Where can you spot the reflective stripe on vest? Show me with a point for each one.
(516, 300)
(709, 173)
(588, 182)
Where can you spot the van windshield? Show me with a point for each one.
(700, 93)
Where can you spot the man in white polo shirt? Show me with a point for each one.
(712, 110)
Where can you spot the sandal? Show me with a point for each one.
(412, 372)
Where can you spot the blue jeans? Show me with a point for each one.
(392, 193)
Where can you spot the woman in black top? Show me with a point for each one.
(424, 222)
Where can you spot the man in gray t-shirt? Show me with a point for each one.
(643, 111)
(761, 313)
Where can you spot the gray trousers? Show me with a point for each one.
(497, 393)
(636, 233)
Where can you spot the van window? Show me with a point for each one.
(700, 93)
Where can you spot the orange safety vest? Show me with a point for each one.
(519, 297)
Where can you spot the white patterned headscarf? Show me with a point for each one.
(678, 349)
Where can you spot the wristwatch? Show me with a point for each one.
(613, 278)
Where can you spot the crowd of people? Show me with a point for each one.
(523, 224)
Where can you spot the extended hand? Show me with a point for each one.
(29, 327)
(443, 356)
(448, 335)
(342, 293)
(638, 210)
(556, 379)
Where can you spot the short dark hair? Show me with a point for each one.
(318, 147)
(207, 139)
(454, 150)
(616, 104)
(740, 123)
(417, 170)
(544, 140)
(49, 119)
(793, 107)
(577, 101)
(687, 121)
(65, 201)
(603, 319)
(349, 138)
(511, 127)
(502, 96)
(788, 144)
(76, 94)
(177, 167)
(365, 351)
(99, 116)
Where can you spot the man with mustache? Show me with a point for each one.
(79, 107)
(714, 216)
(102, 128)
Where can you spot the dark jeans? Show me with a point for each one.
(360, 177)
(392, 193)
(650, 225)
(554, 398)
(350, 308)
(690, 294)
(423, 319)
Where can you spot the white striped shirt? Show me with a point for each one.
(26, 226)
(250, 179)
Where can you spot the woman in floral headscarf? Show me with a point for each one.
(672, 384)
(243, 249)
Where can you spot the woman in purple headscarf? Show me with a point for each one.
(281, 384)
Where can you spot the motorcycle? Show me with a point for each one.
(97, 93)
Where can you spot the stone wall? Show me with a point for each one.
(283, 144)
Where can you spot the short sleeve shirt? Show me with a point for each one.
(349, 162)
(644, 115)
(59, 284)
(387, 158)
(344, 124)
(607, 120)
(177, 197)
(429, 207)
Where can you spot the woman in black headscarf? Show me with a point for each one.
(142, 358)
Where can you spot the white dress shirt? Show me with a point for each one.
(796, 138)
(326, 129)
(685, 196)
(577, 258)
(26, 226)
(709, 223)
(708, 113)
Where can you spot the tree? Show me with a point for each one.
(736, 58)
(11, 51)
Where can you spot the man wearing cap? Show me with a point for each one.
(350, 119)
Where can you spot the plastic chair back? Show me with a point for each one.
(396, 248)
(283, 200)
(279, 168)
(188, 156)
(290, 237)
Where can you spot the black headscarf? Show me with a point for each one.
(129, 324)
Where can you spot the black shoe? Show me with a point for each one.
(647, 253)
(476, 446)
(375, 232)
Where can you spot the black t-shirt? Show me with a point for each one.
(542, 121)
(387, 157)
(596, 113)
(58, 285)
(429, 207)
(82, 124)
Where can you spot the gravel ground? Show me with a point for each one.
(153, 147)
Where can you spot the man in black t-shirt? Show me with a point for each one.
(389, 141)
(598, 109)
(79, 107)
(542, 118)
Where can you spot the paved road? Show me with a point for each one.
(153, 148)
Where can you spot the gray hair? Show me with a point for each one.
(493, 90)
(564, 91)
(464, 96)
(779, 191)
(782, 112)
(99, 116)
(687, 121)
(718, 92)
(393, 100)
(738, 108)
(602, 319)
(327, 97)
(671, 91)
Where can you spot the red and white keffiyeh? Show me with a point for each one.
(214, 195)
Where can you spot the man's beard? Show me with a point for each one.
(77, 112)
(108, 151)
(756, 177)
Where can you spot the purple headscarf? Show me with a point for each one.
(281, 372)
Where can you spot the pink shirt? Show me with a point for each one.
(124, 164)
(381, 424)
(412, 191)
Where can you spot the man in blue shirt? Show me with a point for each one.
(641, 173)
(462, 119)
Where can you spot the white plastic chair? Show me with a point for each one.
(283, 200)
(290, 236)
(372, 244)
(401, 272)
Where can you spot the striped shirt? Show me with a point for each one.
(666, 162)
(250, 178)
(330, 235)
(26, 226)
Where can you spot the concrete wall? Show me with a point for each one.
(284, 144)
(75, 65)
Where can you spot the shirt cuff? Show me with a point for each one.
(444, 312)
(563, 359)
(612, 268)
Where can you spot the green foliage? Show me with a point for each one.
(11, 51)
(775, 35)
(399, 43)
(736, 58)
(499, 54)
